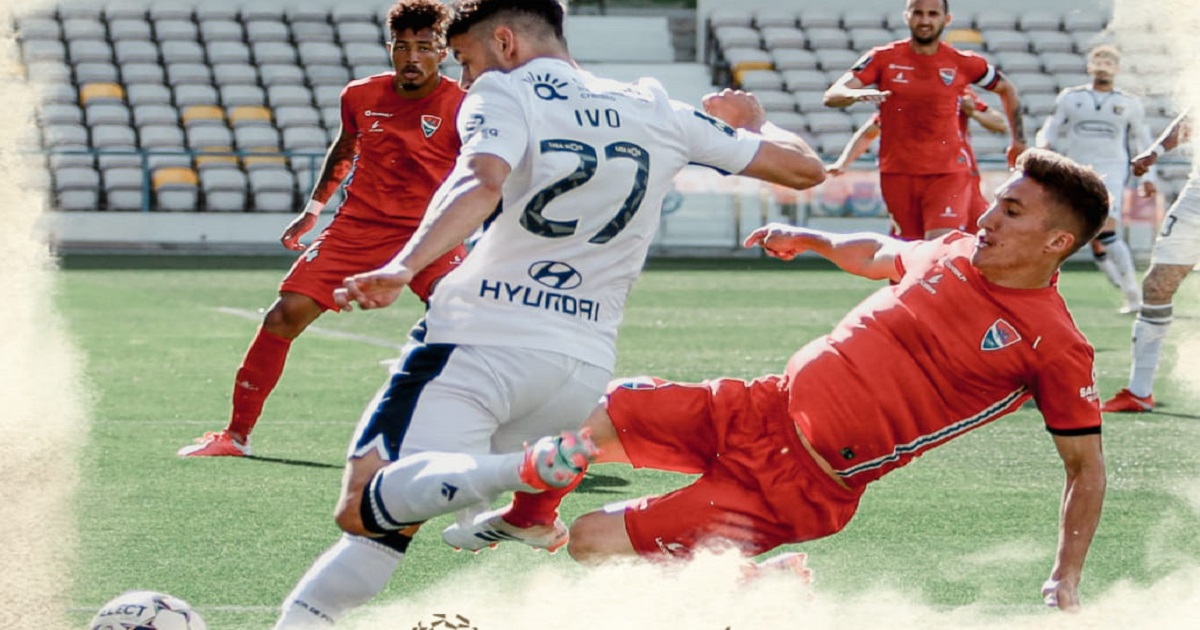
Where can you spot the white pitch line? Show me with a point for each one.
(317, 330)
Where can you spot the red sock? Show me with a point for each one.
(537, 508)
(256, 377)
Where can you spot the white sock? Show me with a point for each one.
(419, 487)
(346, 576)
(1149, 331)
(1110, 270)
(1122, 258)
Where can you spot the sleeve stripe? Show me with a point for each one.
(989, 78)
(1074, 432)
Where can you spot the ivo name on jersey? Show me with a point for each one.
(595, 117)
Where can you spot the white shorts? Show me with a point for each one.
(1179, 239)
(476, 399)
(1115, 176)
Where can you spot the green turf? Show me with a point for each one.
(971, 522)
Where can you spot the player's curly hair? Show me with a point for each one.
(1073, 186)
(540, 17)
(414, 15)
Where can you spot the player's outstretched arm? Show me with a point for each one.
(859, 142)
(862, 254)
(1166, 141)
(1083, 498)
(1012, 111)
(848, 90)
(783, 157)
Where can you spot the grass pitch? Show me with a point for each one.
(972, 523)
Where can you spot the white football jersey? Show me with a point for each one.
(1102, 128)
(591, 160)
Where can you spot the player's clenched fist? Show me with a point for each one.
(374, 289)
(736, 108)
(781, 241)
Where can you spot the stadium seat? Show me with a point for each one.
(32, 29)
(1038, 105)
(60, 113)
(328, 95)
(233, 73)
(168, 11)
(285, 95)
(836, 60)
(166, 30)
(224, 189)
(255, 138)
(1040, 21)
(995, 19)
(128, 30)
(77, 188)
(861, 18)
(49, 72)
(336, 75)
(264, 11)
(809, 101)
(65, 136)
(1031, 82)
(160, 136)
(782, 37)
(116, 146)
(123, 188)
(215, 157)
(140, 72)
(58, 92)
(1018, 61)
(331, 118)
(36, 50)
(270, 52)
(107, 114)
(788, 59)
(75, 29)
(829, 121)
(989, 144)
(97, 72)
(771, 100)
(135, 51)
(1052, 42)
(222, 52)
(202, 115)
(125, 10)
(832, 143)
(1063, 63)
(357, 32)
(865, 38)
(148, 94)
(754, 80)
(1086, 20)
(181, 51)
(259, 31)
(214, 30)
(826, 38)
(788, 119)
(319, 53)
(239, 95)
(724, 37)
(217, 10)
(998, 41)
(91, 93)
(965, 39)
(175, 189)
(274, 190)
(307, 12)
(290, 116)
(730, 17)
(280, 74)
(88, 50)
(248, 116)
(363, 71)
(155, 114)
(313, 32)
(798, 80)
(186, 95)
(188, 74)
(345, 12)
(819, 17)
(766, 18)
(1071, 79)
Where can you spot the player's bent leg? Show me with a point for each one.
(291, 314)
(599, 536)
(1149, 332)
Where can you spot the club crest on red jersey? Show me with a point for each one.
(947, 75)
(430, 124)
(1000, 335)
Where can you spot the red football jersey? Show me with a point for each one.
(939, 354)
(406, 147)
(922, 113)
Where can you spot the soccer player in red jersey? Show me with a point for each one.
(970, 328)
(397, 143)
(971, 108)
(924, 165)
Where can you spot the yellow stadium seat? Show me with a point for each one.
(248, 113)
(965, 38)
(93, 92)
(265, 156)
(742, 68)
(193, 113)
(174, 176)
(211, 160)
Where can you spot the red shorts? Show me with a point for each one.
(979, 204)
(758, 487)
(922, 203)
(349, 246)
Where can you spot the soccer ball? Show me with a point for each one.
(147, 610)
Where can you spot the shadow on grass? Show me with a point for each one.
(601, 484)
(295, 462)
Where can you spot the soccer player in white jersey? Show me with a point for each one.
(1104, 126)
(1176, 253)
(566, 172)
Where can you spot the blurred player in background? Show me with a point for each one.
(396, 144)
(567, 171)
(971, 328)
(924, 161)
(970, 108)
(1104, 126)
(1176, 253)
